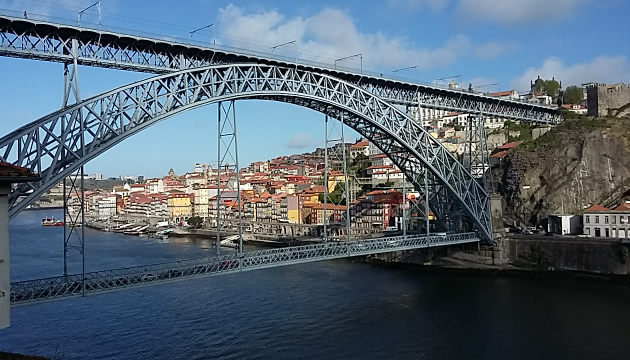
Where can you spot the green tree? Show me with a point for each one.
(552, 87)
(195, 221)
(335, 197)
(573, 95)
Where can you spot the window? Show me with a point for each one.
(588, 231)
(607, 232)
(588, 219)
(596, 219)
(614, 219)
(605, 219)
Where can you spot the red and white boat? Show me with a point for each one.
(51, 222)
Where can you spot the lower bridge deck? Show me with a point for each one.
(60, 287)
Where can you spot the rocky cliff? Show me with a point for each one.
(579, 163)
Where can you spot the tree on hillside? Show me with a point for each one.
(550, 87)
(335, 197)
(573, 95)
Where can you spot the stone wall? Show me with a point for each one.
(608, 100)
(562, 254)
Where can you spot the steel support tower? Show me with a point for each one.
(227, 159)
(335, 161)
(74, 196)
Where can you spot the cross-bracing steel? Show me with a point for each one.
(44, 40)
(227, 155)
(32, 291)
(61, 142)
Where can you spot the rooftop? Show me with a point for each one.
(14, 173)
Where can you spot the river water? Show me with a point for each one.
(324, 310)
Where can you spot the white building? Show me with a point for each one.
(361, 147)
(564, 224)
(603, 222)
(106, 206)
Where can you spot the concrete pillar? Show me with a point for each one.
(498, 228)
(496, 213)
(5, 277)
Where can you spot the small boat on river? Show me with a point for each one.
(51, 222)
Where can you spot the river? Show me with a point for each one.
(324, 310)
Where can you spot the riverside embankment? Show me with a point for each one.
(538, 255)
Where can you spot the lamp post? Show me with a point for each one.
(98, 5)
(480, 86)
(201, 28)
(447, 77)
(348, 57)
(294, 42)
(407, 68)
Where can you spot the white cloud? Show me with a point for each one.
(508, 12)
(601, 69)
(332, 34)
(300, 141)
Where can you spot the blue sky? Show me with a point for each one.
(484, 41)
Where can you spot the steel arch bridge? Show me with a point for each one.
(41, 39)
(59, 143)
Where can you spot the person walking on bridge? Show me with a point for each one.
(26, 17)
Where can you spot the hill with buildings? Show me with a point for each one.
(582, 162)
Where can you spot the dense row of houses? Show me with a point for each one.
(269, 193)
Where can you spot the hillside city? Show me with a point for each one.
(292, 189)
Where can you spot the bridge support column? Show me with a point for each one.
(476, 157)
(228, 161)
(334, 138)
(74, 219)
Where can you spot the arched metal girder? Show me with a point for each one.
(52, 145)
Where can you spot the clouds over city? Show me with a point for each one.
(610, 69)
(332, 33)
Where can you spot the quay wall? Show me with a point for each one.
(528, 253)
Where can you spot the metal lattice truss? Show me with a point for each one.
(48, 41)
(25, 292)
(52, 147)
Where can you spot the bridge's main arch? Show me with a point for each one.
(59, 143)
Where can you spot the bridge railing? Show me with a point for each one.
(76, 285)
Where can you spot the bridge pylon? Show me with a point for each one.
(335, 160)
(73, 185)
(227, 161)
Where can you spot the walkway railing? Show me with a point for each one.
(30, 291)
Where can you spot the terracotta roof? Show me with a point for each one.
(360, 144)
(502, 93)
(10, 171)
(500, 154)
(622, 207)
(510, 145)
(597, 208)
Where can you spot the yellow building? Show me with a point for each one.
(179, 206)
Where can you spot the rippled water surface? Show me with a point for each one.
(323, 310)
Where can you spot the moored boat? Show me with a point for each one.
(51, 222)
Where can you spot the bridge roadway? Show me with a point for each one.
(61, 287)
(40, 39)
